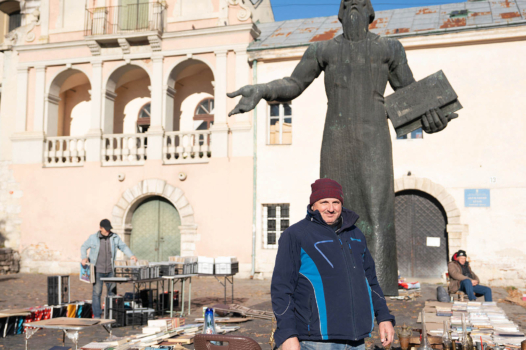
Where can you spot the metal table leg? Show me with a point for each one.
(190, 296)
(73, 336)
(172, 287)
(29, 334)
(182, 303)
(108, 328)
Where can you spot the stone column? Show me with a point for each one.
(40, 88)
(21, 106)
(219, 142)
(169, 94)
(52, 114)
(44, 21)
(94, 135)
(156, 130)
(108, 111)
(242, 142)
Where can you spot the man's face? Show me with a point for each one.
(329, 208)
(355, 16)
(104, 232)
(462, 260)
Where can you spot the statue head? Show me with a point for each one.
(355, 16)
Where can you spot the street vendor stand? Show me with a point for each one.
(69, 326)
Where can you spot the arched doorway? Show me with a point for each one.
(155, 230)
(421, 236)
(127, 91)
(68, 104)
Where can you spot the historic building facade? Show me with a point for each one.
(117, 109)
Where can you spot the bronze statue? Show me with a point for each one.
(356, 148)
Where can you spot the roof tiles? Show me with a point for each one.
(442, 18)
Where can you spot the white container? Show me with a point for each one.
(226, 265)
(205, 265)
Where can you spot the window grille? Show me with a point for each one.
(276, 219)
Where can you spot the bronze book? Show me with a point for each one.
(406, 106)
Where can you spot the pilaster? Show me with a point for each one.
(220, 128)
(40, 87)
(156, 130)
(242, 142)
(21, 107)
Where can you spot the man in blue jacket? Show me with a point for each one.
(103, 247)
(325, 294)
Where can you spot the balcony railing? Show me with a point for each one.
(122, 149)
(124, 19)
(181, 147)
(64, 151)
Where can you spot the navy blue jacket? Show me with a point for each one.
(324, 285)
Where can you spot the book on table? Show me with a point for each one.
(407, 105)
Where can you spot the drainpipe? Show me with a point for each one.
(255, 173)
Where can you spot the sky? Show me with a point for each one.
(294, 9)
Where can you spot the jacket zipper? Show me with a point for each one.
(350, 285)
(348, 276)
(352, 257)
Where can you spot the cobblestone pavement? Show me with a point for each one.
(26, 290)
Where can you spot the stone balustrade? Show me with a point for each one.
(124, 149)
(64, 151)
(183, 147)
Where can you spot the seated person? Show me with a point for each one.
(462, 278)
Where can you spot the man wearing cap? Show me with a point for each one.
(462, 278)
(102, 246)
(325, 294)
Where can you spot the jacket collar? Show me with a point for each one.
(349, 217)
(100, 236)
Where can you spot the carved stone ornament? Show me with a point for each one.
(244, 14)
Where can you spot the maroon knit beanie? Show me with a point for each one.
(326, 188)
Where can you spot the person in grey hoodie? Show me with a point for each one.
(103, 247)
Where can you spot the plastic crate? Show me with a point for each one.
(139, 317)
(114, 310)
(57, 290)
(154, 271)
(205, 265)
(226, 265)
(134, 273)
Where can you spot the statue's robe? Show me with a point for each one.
(356, 149)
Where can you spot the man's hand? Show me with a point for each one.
(434, 120)
(474, 282)
(291, 344)
(252, 94)
(84, 262)
(386, 333)
(134, 258)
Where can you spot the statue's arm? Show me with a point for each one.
(400, 74)
(281, 90)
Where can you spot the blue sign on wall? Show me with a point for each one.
(477, 198)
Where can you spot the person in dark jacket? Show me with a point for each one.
(324, 287)
(462, 278)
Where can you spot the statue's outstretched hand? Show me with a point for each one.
(252, 94)
(434, 120)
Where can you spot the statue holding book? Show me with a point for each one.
(356, 148)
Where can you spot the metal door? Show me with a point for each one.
(155, 230)
(421, 237)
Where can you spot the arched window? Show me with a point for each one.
(204, 114)
(143, 121)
